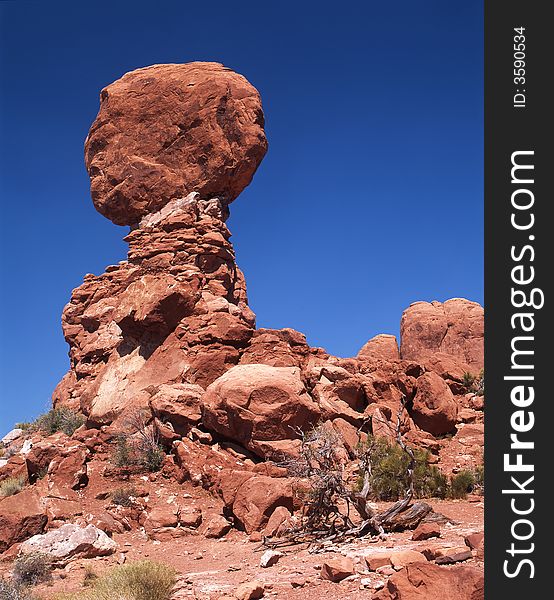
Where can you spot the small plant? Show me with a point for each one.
(124, 496)
(10, 591)
(31, 569)
(24, 425)
(143, 580)
(90, 576)
(59, 419)
(140, 447)
(474, 383)
(12, 485)
(461, 484)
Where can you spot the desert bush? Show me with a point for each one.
(12, 485)
(140, 446)
(124, 496)
(319, 465)
(143, 580)
(389, 475)
(59, 419)
(475, 383)
(10, 591)
(461, 484)
(31, 569)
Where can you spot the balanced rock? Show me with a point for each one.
(167, 130)
(171, 147)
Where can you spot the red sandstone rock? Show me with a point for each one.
(380, 347)
(253, 403)
(178, 404)
(337, 569)
(434, 408)
(167, 130)
(453, 328)
(21, 516)
(216, 527)
(425, 581)
(258, 497)
(426, 531)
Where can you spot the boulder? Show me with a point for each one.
(251, 590)
(21, 516)
(380, 347)
(426, 581)
(426, 531)
(337, 569)
(205, 134)
(434, 408)
(178, 404)
(270, 558)
(258, 497)
(71, 542)
(403, 558)
(454, 328)
(216, 527)
(257, 403)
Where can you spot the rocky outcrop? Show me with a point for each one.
(453, 329)
(165, 131)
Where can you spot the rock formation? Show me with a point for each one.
(169, 331)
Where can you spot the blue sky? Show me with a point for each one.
(370, 196)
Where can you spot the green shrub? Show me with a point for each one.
(468, 380)
(31, 569)
(59, 419)
(389, 477)
(10, 591)
(146, 454)
(143, 580)
(461, 484)
(124, 496)
(12, 485)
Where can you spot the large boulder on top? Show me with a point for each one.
(252, 404)
(454, 328)
(167, 130)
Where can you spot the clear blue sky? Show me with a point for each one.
(370, 196)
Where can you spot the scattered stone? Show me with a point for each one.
(406, 557)
(426, 531)
(270, 558)
(250, 591)
(337, 569)
(447, 556)
(474, 540)
(216, 527)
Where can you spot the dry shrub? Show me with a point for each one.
(31, 569)
(12, 485)
(143, 580)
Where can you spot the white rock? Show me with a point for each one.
(11, 436)
(70, 541)
(270, 558)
